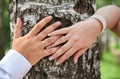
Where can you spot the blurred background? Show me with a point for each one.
(110, 43)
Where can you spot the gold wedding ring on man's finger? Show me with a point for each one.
(43, 44)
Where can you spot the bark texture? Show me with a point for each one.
(68, 12)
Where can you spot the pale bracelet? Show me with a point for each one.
(102, 20)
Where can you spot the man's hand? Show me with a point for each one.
(32, 46)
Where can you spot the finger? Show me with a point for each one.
(61, 40)
(63, 49)
(78, 54)
(17, 30)
(49, 29)
(67, 55)
(48, 52)
(59, 32)
(38, 27)
(51, 40)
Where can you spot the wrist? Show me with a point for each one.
(100, 20)
(22, 53)
(96, 25)
(15, 64)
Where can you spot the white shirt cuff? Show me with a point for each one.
(15, 64)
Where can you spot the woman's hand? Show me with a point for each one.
(77, 38)
(32, 46)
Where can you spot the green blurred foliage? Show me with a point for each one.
(101, 3)
(110, 67)
(6, 25)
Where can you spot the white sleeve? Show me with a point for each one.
(4, 74)
(14, 65)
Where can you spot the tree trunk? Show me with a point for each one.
(68, 12)
(2, 40)
(105, 40)
(117, 41)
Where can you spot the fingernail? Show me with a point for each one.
(57, 63)
(50, 58)
(48, 47)
(18, 19)
(49, 17)
(58, 23)
(75, 61)
(49, 34)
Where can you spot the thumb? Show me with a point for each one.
(17, 30)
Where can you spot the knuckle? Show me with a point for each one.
(30, 42)
(75, 38)
(44, 21)
(57, 55)
(28, 36)
(61, 39)
(67, 55)
(44, 33)
(53, 26)
(76, 46)
(51, 50)
(49, 40)
(37, 28)
(62, 50)
(55, 38)
(57, 42)
(40, 36)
